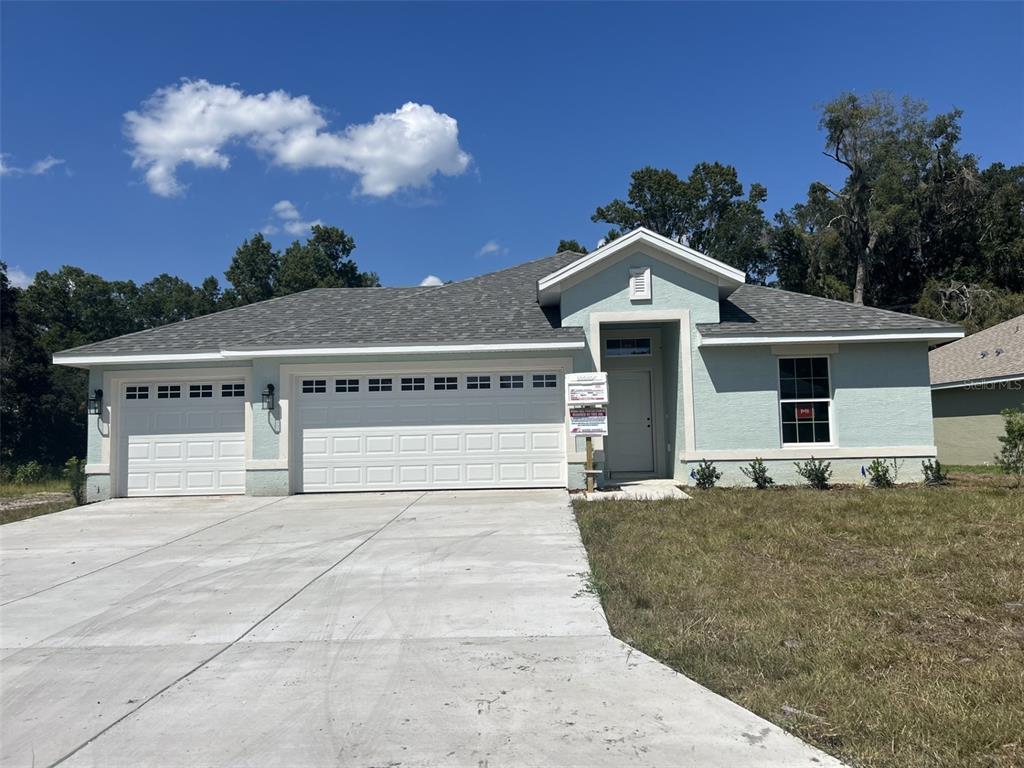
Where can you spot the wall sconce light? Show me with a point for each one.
(268, 398)
(94, 405)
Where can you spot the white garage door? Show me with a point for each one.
(183, 438)
(439, 430)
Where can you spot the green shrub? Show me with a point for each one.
(30, 472)
(1011, 455)
(817, 473)
(757, 473)
(882, 474)
(933, 473)
(705, 475)
(74, 473)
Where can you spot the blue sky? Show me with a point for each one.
(554, 105)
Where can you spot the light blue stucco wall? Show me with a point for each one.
(881, 397)
(672, 289)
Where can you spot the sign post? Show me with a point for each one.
(586, 395)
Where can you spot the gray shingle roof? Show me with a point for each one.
(497, 307)
(994, 353)
(500, 306)
(754, 310)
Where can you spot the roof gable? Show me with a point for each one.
(727, 278)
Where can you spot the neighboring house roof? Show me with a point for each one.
(497, 308)
(994, 354)
(755, 314)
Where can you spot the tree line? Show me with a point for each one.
(42, 406)
(916, 225)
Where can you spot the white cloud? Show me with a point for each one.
(288, 219)
(195, 121)
(19, 278)
(431, 280)
(38, 168)
(490, 248)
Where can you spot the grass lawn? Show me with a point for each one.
(20, 502)
(886, 627)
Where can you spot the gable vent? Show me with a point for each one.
(640, 283)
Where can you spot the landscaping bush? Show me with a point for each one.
(30, 472)
(74, 473)
(882, 474)
(705, 475)
(933, 473)
(1011, 456)
(817, 473)
(757, 473)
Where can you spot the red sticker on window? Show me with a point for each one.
(805, 412)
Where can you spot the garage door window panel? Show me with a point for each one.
(379, 385)
(446, 383)
(136, 392)
(414, 384)
(168, 391)
(232, 390)
(511, 381)
(314, 386)
(200, 390)
(346, 385)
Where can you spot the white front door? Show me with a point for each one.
(182, 438)
(452, 429)
(629, 446)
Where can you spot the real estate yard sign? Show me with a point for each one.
(586, 388)
(586, 395)
(588, 421)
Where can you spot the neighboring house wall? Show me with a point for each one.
(968, 421)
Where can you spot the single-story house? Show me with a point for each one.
(973, 381)
(462, 385)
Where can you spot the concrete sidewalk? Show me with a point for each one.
(366, 630)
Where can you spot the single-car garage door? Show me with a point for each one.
(183, 439)
(438, 430)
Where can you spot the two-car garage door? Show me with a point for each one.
(438, 430)
(183, 438)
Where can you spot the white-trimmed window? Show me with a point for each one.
(805, 400)
(545, 380)
(510, 381)
(346, 385)
(640, 347)
(232, 390)
(168, 391)
(136, 392)
(379, 385)
(414, 384)
(478, 382)
(200, 390)
(314, 386)
(446, 383)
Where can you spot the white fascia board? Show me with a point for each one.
(829, 338)
(404, 349)
(86, 360)
(641, 235)
(970, 383)
(250, 354)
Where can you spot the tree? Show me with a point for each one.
(897, 163)
(570, 245)
(254, 270)
(323, 261)
(707, 211)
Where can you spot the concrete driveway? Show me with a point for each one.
(359, 630)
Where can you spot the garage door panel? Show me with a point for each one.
(181, 446)
(430, 438)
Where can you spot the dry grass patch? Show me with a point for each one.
(887, 627)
